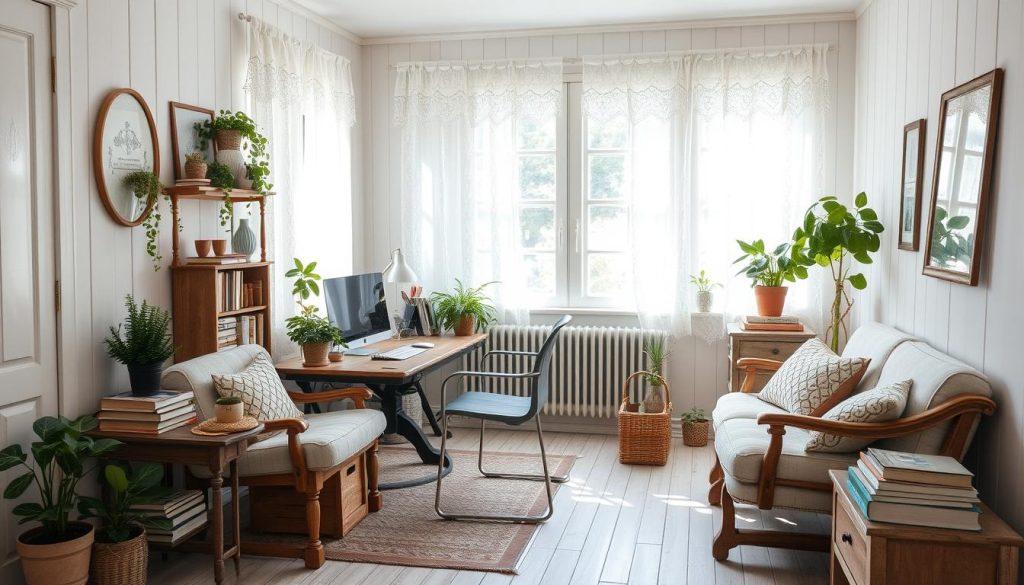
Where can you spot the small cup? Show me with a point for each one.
(220, 247)
(228, 413)
(203, 248)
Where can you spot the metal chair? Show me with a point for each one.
(513, 410)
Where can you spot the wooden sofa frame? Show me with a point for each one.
(308, 483)
(965, 409)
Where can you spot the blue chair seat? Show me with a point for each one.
(490, 406)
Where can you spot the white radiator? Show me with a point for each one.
(587, 369)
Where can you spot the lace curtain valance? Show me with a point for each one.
(779, 82)
(477, 91)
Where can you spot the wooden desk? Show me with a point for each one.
(219, 454)
(876, 553)
(390, 380)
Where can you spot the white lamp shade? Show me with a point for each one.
(398, 270)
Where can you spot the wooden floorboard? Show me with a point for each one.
(613, 523)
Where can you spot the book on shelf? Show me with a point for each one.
(185, 523)
(781, 320)
(747, 325)
(148, 427)
(216, 260)
(910, 514)
(896, 488)
(239, 330)
(174, 411)
(158, 402)
(917, 468)
(172, 504)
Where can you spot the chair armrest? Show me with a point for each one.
(751, 366)
(358, 395)
(468, 373)
(294, 426)
(483, 359)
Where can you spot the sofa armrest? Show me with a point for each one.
(751, 367)
(294, 427)
(358, 395)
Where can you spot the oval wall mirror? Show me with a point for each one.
(124, 141)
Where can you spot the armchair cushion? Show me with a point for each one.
(882, 404)
(741, 405)
(260, 388)
(813, 380)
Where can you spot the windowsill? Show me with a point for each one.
(599, 311)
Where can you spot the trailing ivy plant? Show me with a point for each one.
(253, 141)
(147, 188)
(833, 236)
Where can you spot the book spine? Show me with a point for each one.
(859, 498)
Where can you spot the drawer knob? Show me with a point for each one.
(775, 351)
(847, 538)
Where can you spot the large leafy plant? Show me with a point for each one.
(308, 326)
(255, 143)
(833, 236)
(59, 463)
(450, 308)
(145, 339)
(128, 489)
(774, 267)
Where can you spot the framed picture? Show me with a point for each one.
(961, 185)
(910, 185)
(124, 141)
(184, 138)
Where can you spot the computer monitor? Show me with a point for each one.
(356, 305)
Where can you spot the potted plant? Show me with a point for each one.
(834, 236)
(229, 129)
(695, 427)
(656, 354)
(704, 286)
(464, 311)
(195, 165)
(120, 553)
(147, 189)
(58, 550)
(228, 409)
(314, 334)
(145, 346)
(769, 270)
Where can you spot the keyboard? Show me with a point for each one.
(399, 353)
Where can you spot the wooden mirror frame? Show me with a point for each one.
(994, 79)
(97, 154)
(915, 240)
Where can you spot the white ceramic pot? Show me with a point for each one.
(704, 301)
(235, 161)
(228, 413)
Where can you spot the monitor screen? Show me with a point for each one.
(355, 304)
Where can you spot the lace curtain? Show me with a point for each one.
(458, 123)
(724, 145)
(301, 98)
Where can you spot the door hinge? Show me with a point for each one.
(56, 295)
(53, 74)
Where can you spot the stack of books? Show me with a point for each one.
(146, 415)
(759, 323)
(914, 489)
(240, 330)
(186, 509)
(225, 259)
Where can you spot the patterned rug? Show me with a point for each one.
(406, 531)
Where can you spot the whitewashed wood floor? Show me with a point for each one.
(613, 523)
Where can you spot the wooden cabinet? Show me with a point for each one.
(773, 345)
(876, 553)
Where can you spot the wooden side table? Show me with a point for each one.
(773, 345)
(219, 454)
(877, 553)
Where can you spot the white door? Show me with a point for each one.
(28, 330)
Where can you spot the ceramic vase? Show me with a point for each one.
(234, 160)
(244, 241)
(704, 300)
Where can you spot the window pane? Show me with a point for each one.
(607, 134)
(537, 227)
(607, 275)
(537, 176)
(607, 227)
(970, 179)
(540, 274)
(536, 134)
(607, 176)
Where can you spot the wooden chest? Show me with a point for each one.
(773, 345)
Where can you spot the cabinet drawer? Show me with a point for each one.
(850, 544)
(772, 350)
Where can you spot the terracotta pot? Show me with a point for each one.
(336, 356)
(228, 413)
(315, 354)
(770, 300)
(203, 248)
(695, 434)
(121, 563)
(228, 139)
(195, 169)
(59, 563)
(220, 247)
(466, 325)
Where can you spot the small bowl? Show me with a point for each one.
(220, 247)
(336, 356)
(203, 248)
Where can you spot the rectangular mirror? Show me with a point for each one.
(965, 149)
(910, 185)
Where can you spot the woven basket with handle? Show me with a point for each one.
(644, 437)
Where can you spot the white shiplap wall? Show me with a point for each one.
(191, 51)
(698, 371)
(909, 52)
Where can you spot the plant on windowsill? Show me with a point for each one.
(465, 310)
(145, 346)
(121, 553)
(769, 270)
(656, 352)
(235, 131)
(147, 189)
(705, 298)
(695, 427)
(57, 551)
(834, 236)
(313, 333)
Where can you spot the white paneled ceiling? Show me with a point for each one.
(388, 18)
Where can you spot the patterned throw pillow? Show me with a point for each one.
(813, 380)
(882, 404)
(260, 388)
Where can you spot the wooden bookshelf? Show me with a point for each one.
(202, 193)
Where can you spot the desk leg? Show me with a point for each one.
(217, 522)
(236, 517)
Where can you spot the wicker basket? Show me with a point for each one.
(696, 434)
(120, 563)
(644, 437)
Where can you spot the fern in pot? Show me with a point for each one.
(313, 333)
(143, 346)
(465, 310)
